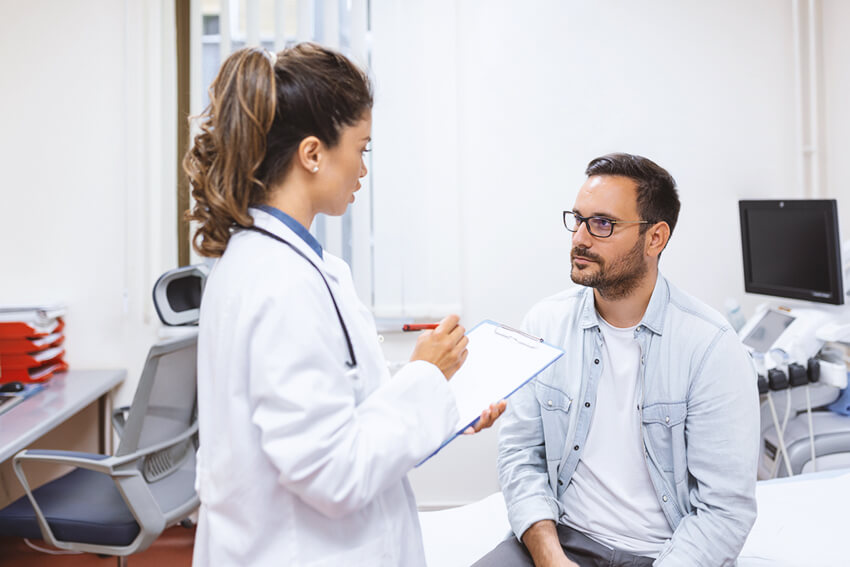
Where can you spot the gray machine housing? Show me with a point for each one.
(831, 433)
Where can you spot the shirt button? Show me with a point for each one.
(575, 448)
(664, 498)
(560, 482)
(550, 403)
(639, 329)
(641, 360)
(587, 404)
(667, 419)
(595, 361)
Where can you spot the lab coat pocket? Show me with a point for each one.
(554, 414)
(665, 427)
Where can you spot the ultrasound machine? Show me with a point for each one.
(800, 346)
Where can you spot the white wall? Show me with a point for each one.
(836, 110)
(704, 88)
(82, 218)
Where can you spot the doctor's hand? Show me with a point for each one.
(488, 417)
(444, 347)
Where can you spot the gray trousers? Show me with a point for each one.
(577, 546)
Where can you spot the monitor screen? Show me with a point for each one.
(792, 249)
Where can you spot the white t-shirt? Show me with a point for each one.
(610, 497)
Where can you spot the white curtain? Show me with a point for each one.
(150, 95)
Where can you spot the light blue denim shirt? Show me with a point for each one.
(700, 421)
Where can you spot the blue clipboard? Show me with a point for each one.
(501, 360)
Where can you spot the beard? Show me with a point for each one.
(615, 280)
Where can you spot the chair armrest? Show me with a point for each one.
(188, 434)
(96, 462)
(128, 480)
(91, 461)
(127, 476)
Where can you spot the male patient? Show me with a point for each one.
(639, 446)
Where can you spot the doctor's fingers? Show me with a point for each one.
(458, 332)
(453, 334)
(452, 342)
(459, 359)
(448, 324)
(461, 341)
(459, 352)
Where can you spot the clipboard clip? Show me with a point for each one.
(510, 332)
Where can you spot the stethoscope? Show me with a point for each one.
(352, 362)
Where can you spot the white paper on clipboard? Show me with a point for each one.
(500, 361)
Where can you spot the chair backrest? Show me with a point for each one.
(164, 405)
(161, 424)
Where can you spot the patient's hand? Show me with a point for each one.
(488, 417)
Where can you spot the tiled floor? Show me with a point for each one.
(172, 549)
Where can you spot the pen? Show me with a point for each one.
(419, 327)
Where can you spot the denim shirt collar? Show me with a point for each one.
(656, 311)
(653, 318)
(296, 227)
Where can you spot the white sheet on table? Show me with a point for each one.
(802, 522)
(458, 537)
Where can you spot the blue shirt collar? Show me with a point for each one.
(296, 227)
(653, 318)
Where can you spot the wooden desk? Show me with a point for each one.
(66, 394)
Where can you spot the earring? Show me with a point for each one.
(315, 169)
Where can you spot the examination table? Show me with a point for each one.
(801, 523)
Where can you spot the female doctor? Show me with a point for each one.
(305, 439)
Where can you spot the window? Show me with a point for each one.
(223, 26)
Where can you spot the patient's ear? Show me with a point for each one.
(656, 238)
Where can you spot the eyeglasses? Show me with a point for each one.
(599, 227)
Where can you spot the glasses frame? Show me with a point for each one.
(580, 219)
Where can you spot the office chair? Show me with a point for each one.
(118, 505)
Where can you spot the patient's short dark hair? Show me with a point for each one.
(657, 198)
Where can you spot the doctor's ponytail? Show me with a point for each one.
(261, 107)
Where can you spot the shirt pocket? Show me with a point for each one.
(554, 414)
(665, 427)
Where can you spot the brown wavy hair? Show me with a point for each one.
(261, 108)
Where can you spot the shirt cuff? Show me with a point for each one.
(522, 515)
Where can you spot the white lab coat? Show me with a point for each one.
(300, 463)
